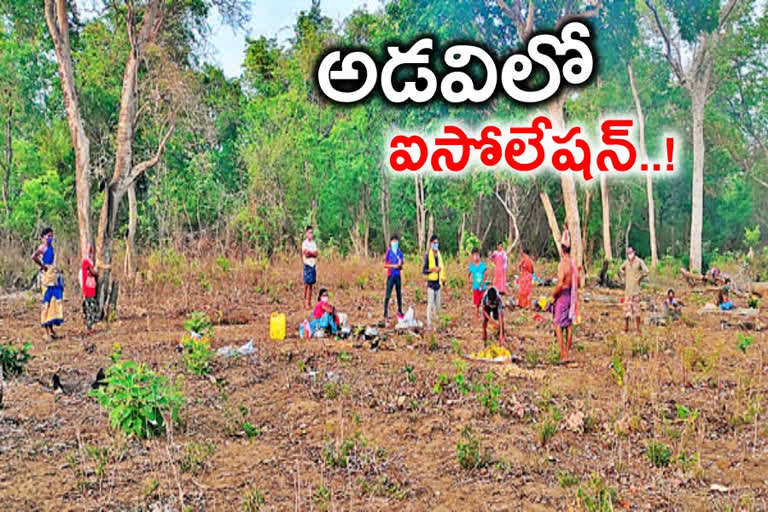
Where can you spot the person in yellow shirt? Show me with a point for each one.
(435, 272)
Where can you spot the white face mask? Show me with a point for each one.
(324, 298)
(630, 255)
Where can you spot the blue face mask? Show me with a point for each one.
(727, 287)
(394, 245)
(434, 246)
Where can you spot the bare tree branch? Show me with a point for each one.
(676, 63)
(140, 168)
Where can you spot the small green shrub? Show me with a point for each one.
(253, 500)
(744, 342)
(197, 355)
(565, 479)
(13, 360)
(442, 380)
(223, 263)
(138, 400)
(468, 451)
(488, 393)
(658, 454)
(199, 323)
(617, 370)
(598, 497)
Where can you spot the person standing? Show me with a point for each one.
(525, 282)
(499, 259)
(634, 271)
(88, 276)
(52, 313)
(476, 280)
(563, 297)
(309, 257)
(393, 262)
(435, 272)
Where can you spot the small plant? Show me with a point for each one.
(658, 454)
(361, 281)
(684, 413)
(462, 384)
(598, 497)
(335, 389)
(549, 425)
(253, 500)
(196, 456)
(445, 320)
(250, 430)
(138, 400)
(468, 451)
(223, 263)
(744, 342)
(344, 357)
(553, 354)
(687, 461)
(640, 349)
(531, 358)
(197, 355)
(442, 380)
(418, 296)
(456, 347)
(753, 303)
(199, 323)
(455, 283)
(617, 370)
(13, 360)
(489, 392)
(321, 497)
(566, 479)
(432, 343)
(409, 371)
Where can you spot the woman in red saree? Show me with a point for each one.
(525, 282)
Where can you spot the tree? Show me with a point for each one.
(143, 24)
(700, 30)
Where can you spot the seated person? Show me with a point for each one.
(724, 298)
(672, 307)
(493, 312)
(324, 315)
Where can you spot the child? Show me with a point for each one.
(393, 262)
(309, 257)
(493, 312)
(435, 271)
(91, 310)
(672, 307)
(476, 280)
(499, 259)
(724, 296)
(324, 314)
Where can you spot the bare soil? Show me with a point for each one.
(313, 400)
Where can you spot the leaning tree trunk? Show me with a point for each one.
(570, 200)
(551, 220)
(421, 212)
(648, 175)
(606, 207)
(385, 206)
(58, 25)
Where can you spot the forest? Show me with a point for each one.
(194, 189)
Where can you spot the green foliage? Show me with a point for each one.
(566, 479)
(13, 360)
(468, 451)
(442, 380)
(658, 454)
(744, 342)
(409, 371)
(253, 500)
(684, 413)
(752, 236)
(198, 322)
(488, 392)
(617, 370)
(197, 355)
(223, 264)
(139, 402)
(598, 497)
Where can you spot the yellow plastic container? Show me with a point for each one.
(277, 326)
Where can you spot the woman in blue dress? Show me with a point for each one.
(52, 313)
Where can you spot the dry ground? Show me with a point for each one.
(313, 398)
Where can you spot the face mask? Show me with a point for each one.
(727, 287)
(434, 246)
(49, 239)
(324, 298)
(394, 245)
(630, 255)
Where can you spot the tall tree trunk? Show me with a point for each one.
(605, 200)
(8, 160)
(421, 212)
(570, 200)
(385, 206)
(587, 205)
(648, 175)
(698, 102)
(551, 220)
(58, 25)
(133, 215)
